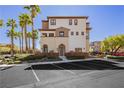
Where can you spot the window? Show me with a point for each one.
(78, 49)
(72, 33)
(70, 21)
(77, 33)
(61, 34)
(75, 22)
(45, 48)
(82, 33)
(44, 34)
(53, 22)
(87, 35)
(51, 34)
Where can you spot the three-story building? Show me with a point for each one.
(64, 34)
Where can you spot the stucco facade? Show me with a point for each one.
(71, 32)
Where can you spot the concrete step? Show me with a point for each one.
(63, 58)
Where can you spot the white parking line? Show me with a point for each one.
(64, 69)
(35, 74)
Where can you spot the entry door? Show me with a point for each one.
(61, 50)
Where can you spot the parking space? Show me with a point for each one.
(16, 76)
(48, 74)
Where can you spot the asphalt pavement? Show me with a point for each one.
(78, 74)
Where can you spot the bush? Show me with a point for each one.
(15, 62)
(118, 54)
(115, 57)
(38, 52)
(76, 55)
(101, 56)
(31, 57)
(52, 55)
(40, 56)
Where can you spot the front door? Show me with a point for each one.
(61, 50)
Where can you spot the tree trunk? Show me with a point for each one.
(29, 43)
(112, 52)
(33, 39)
(117, 49)
(20, 44)
(26, 43)
(12, 45)
(22, 40)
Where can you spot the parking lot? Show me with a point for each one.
(95, 73)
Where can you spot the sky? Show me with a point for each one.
(104, 20)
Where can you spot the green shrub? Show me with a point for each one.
(40, 56)
(14, 62)
(31, 57)
(115, 57)
(76, 55)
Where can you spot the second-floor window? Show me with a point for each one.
(51, 34)
(72, 33)
(53, 22)
(77, 33)
(70, 21)
(87, 35)
(82, 33)
(44, 34)
(75, 22)
(61, 34)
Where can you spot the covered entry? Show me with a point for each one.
(61, 50)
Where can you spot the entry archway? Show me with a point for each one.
(45, 48)
(61, 50)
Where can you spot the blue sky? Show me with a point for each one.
(104, 20)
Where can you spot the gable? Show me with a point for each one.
(62, 29)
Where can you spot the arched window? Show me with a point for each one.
(45, 48)
(75, 22)
(53, 22)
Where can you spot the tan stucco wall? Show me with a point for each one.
(45, 25)
(66, 31)
(87, 45)
(70, 41)
(54, 42)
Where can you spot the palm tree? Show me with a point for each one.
(35, 35)
(34, 10)
(29, 35)
(27, 21)
(21, 23)
(1, 22)
(12, 24)
(18, 35)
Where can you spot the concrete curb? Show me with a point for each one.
(46, 62)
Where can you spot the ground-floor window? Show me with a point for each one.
(45, 48)
(78, 49)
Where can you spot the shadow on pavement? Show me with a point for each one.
(5, 68)
(85, 65)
